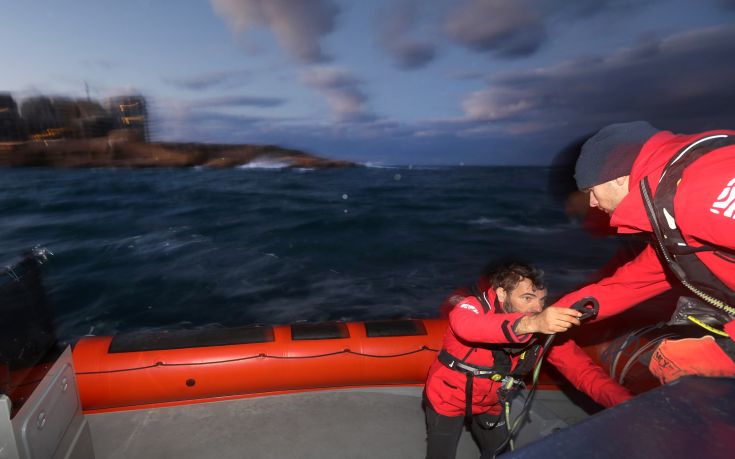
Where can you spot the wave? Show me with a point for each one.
(150, 249)
(372, 165)
(506, 225)
(265, 164)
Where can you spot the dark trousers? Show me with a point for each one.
(443, 432)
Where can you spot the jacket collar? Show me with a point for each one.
(630, 215)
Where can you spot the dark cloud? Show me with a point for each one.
(682, 82)
(298, 25)
(467, 75)
(342, 91)
(508, 28)
(517, 28)
(103, 64)
(726, 4)
(223, 80)
(238, 101)
(396, 23)
(585, 8)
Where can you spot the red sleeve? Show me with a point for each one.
(470, 323)
(586, 375)
(636, 281)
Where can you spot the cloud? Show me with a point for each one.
(297, 25)
(238, 101)
(175, 119)
(394, 26)
(508, 28)
(726, 4)
(519, 28)
(342, 91)
(104, 64)
(223, 79)
(681, 82)
(466, 75)
(573, 9)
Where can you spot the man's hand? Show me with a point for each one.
(550, 320)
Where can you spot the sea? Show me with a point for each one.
(154, 249)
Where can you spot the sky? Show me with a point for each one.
(450, 82)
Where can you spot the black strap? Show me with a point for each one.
(449, 361)
(670, 245)
(527, 361)
(728, 346)
(470, 378)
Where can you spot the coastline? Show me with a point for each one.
(109, 152)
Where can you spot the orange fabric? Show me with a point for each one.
(691, 356)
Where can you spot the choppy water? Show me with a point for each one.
(193, 247)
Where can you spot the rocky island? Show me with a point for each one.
(76, 132)
(109, 152)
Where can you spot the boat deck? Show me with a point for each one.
(348, 423)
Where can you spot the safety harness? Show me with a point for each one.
(502, 369)
(670, 245)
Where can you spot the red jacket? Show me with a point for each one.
(702, 184)
(469, 327)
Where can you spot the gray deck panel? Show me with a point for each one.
(351, 423)
(346, 423)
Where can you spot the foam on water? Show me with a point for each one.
(265, 164)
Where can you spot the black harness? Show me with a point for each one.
(670, 245)
(502, 363)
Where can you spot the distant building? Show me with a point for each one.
(41, 119)
(11, 126)
(63, 117)
(130, 113)
(92, 120)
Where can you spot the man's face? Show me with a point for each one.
(606, 196)
(524, 298)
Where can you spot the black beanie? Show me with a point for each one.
(611, 152)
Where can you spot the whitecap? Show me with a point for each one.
(504, 224)
(265, 164)
(484, 221)
(380, 166)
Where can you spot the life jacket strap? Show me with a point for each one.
(449, 361)
(471, 372)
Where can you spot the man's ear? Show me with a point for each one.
(623, 181)
(501, 294)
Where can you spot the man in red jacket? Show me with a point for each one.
(681, 189)
(490, 337)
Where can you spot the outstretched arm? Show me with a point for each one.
(636, 281)
(470, 323)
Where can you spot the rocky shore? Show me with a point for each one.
(106, 152)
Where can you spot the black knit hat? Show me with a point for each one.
(611, 152)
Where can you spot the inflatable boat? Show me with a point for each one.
(306, 390)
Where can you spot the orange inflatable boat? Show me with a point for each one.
(169, 368)
(128, 371)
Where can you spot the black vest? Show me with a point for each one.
(669, 242)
